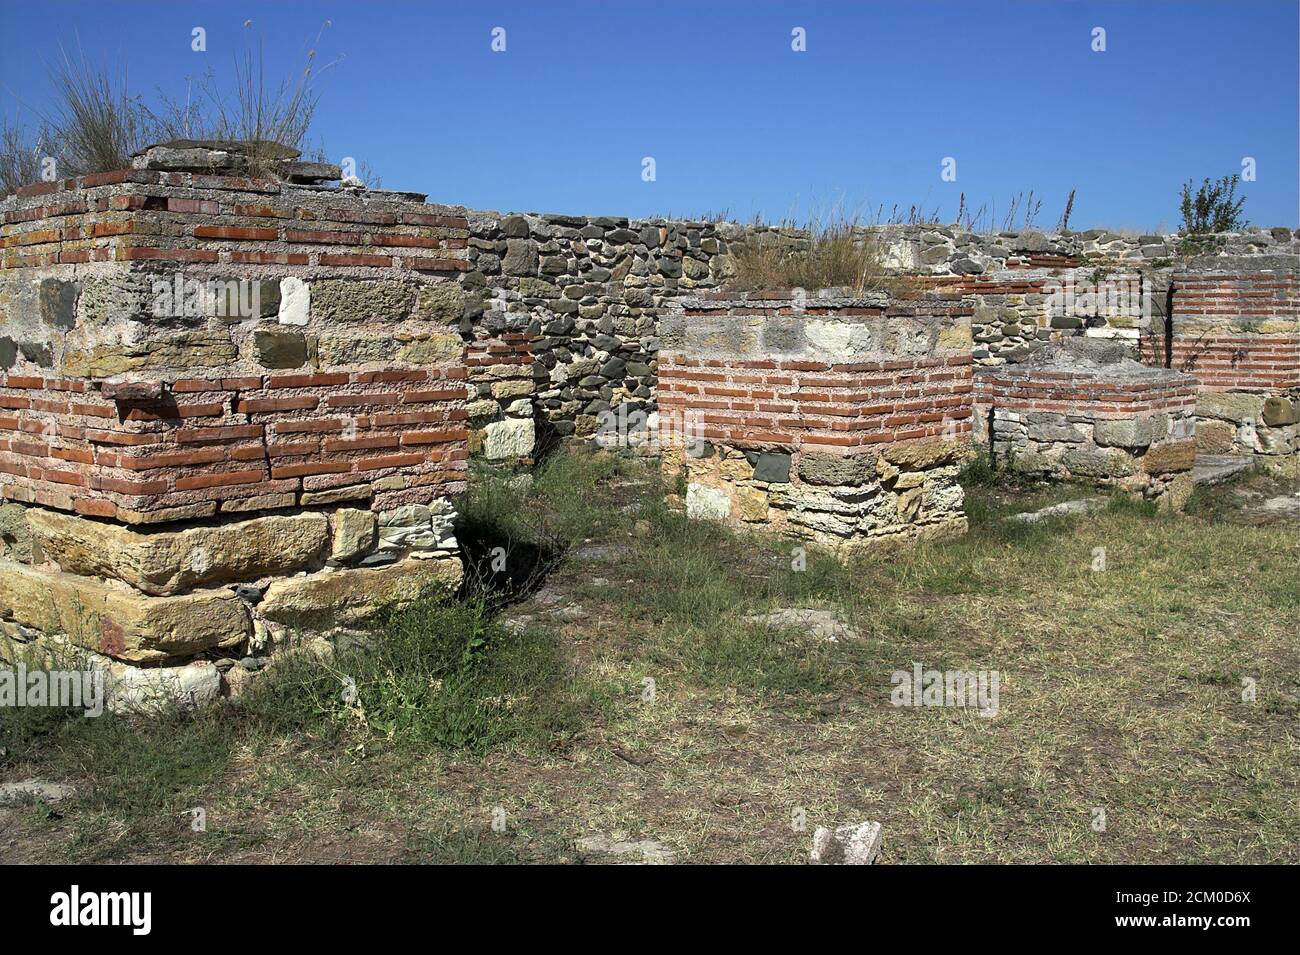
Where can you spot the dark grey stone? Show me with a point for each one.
(773, 467)
(59, 303)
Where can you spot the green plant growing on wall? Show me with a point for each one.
(1214, 207)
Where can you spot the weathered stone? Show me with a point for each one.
(1124, 432)
(1279, 411)
(295, 301)
(349, 597)
(772, 467)
(520, 257)
(352, 300)
(832, 469)
(600, 849)
(342, 350)
(441, 302)
(156, 690)
(1169, 456)
(15, 535)
(199, 348)
(1086, 462)
(707, 503)
(1230, 405)
(432, 349)
(820, 624)
(354, 534)
(846, 845)
(751, 504)
(118, 622)
(1216, 437)
(276, 349)
(512, 388)
(170, 562)
(914, 455)
(27, 791)
(59, 303)
(513, 438)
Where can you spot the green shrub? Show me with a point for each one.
(1213, 207)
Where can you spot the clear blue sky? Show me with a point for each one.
(736, 120)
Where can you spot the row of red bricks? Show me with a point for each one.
(742, 432)
(672, 361)
(237, 441)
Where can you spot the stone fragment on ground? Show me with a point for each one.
(1217, 468)
(28, 791)
(1273, 510)
(603, 850)
(1082, 506)
(601, 553)
(821, 624)
(854, 844)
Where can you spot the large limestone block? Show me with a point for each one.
(509, 439)
(918, 455)
(170, 562)
(1230, 405)
(117, 622)
(707, 503)
(1170, 456)
(348, 597)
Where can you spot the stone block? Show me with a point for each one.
(772, 467)
(441, 302)
(846, 845)
(277, 349)
(354, 534)
(834, 469)
(1169, 456)
(170, 562)
(707, 503)
(118, 622)
(513, 438)
(1279, 411)
(343, 598)
(351, 300)
(1124, 432)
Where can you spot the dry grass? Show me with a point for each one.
(834, 255)
(97, 122)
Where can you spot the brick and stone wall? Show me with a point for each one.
(230, 409)
(1084, 411)
(1236, 328)
(834, 418)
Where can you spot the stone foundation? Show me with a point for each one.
(220, 591)
(1082, 411)
(837, 419)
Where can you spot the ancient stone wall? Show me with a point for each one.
(835, 418)
(231, 409)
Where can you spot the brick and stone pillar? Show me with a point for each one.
(1236, 328)
(232, 411)
(1083, 410)
(843, 420)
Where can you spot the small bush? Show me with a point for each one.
(1214, 207)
